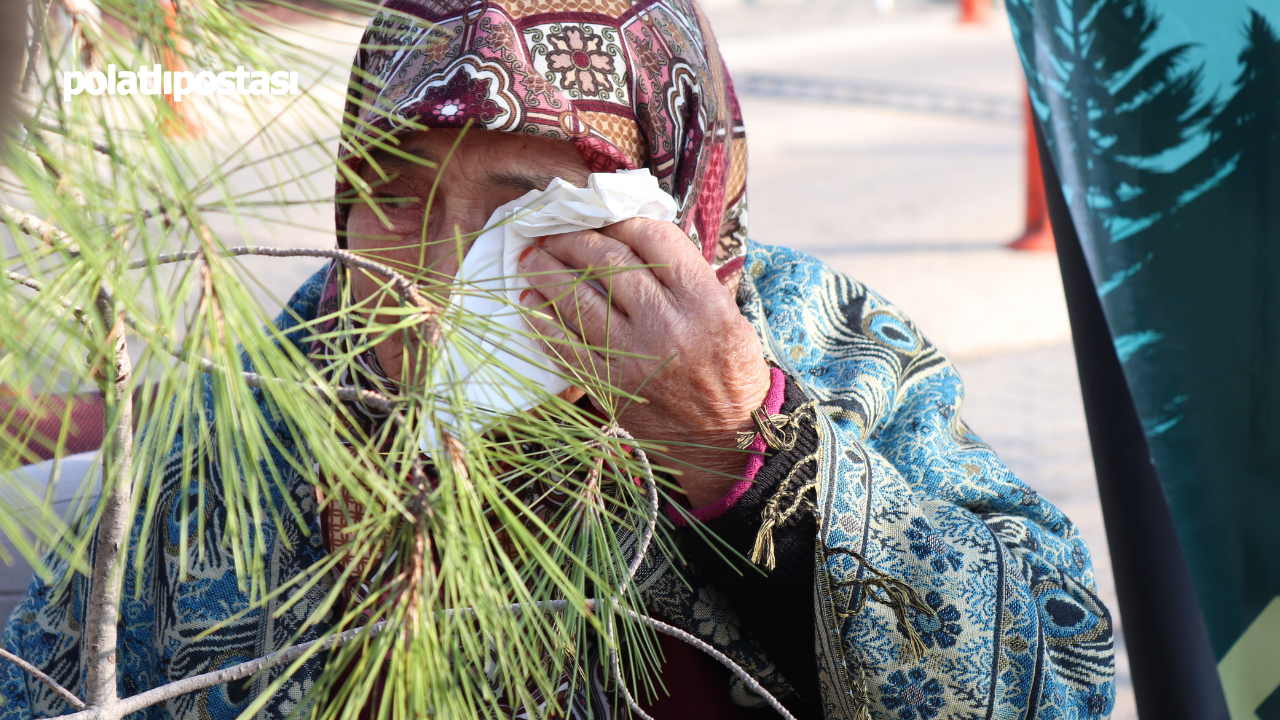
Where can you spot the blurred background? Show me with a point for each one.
(887, 138)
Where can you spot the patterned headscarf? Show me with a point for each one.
(630, 84)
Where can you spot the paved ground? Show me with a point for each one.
(918, 205)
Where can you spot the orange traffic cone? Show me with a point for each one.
(1039, 233)
(180, 123)
(975, 11)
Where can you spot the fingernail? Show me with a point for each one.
(524, 255)
(524, 295)
(541, 241)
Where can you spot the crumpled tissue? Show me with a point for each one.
(488, 358)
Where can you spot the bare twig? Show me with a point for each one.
(43, 125)
(369, 398)
(646, 535)
(40, 11)
(621, 679)
(651, 494)
(37, 228)
(174, 689)
(85, 21)
(62, 692)
(113, 527)
(403, 285)
(38, 286)
(25, 281)
(145, 700)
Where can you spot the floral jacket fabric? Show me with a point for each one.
(904, 489)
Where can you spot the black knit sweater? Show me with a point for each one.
(777, 605)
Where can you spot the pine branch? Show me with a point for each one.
(369, 398)
(109, 707)
(115, 515)
(62, 692)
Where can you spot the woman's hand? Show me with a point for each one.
(702, 370)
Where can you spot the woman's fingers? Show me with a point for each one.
(676, 261)
(561, 345)
(580, 307)
(630, 286)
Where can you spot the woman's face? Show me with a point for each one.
(485, 171)
(682, 345)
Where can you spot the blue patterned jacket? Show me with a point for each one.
(1016, 629)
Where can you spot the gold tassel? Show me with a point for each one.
(775, 515)
(764, 545)
(900, 597)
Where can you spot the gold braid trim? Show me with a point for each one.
(864, 696)
(779, 431)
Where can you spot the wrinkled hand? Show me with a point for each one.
(702, 369)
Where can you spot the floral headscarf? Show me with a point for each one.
(630, 84)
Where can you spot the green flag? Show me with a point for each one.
(1162, 121)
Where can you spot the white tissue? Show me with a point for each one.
(489, 286)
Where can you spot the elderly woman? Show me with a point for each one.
(876, 479)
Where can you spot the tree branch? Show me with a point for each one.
(113, 527)
(372, 399)
(37, 228)
(231, 674)
(377, 401)
(62, 692)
